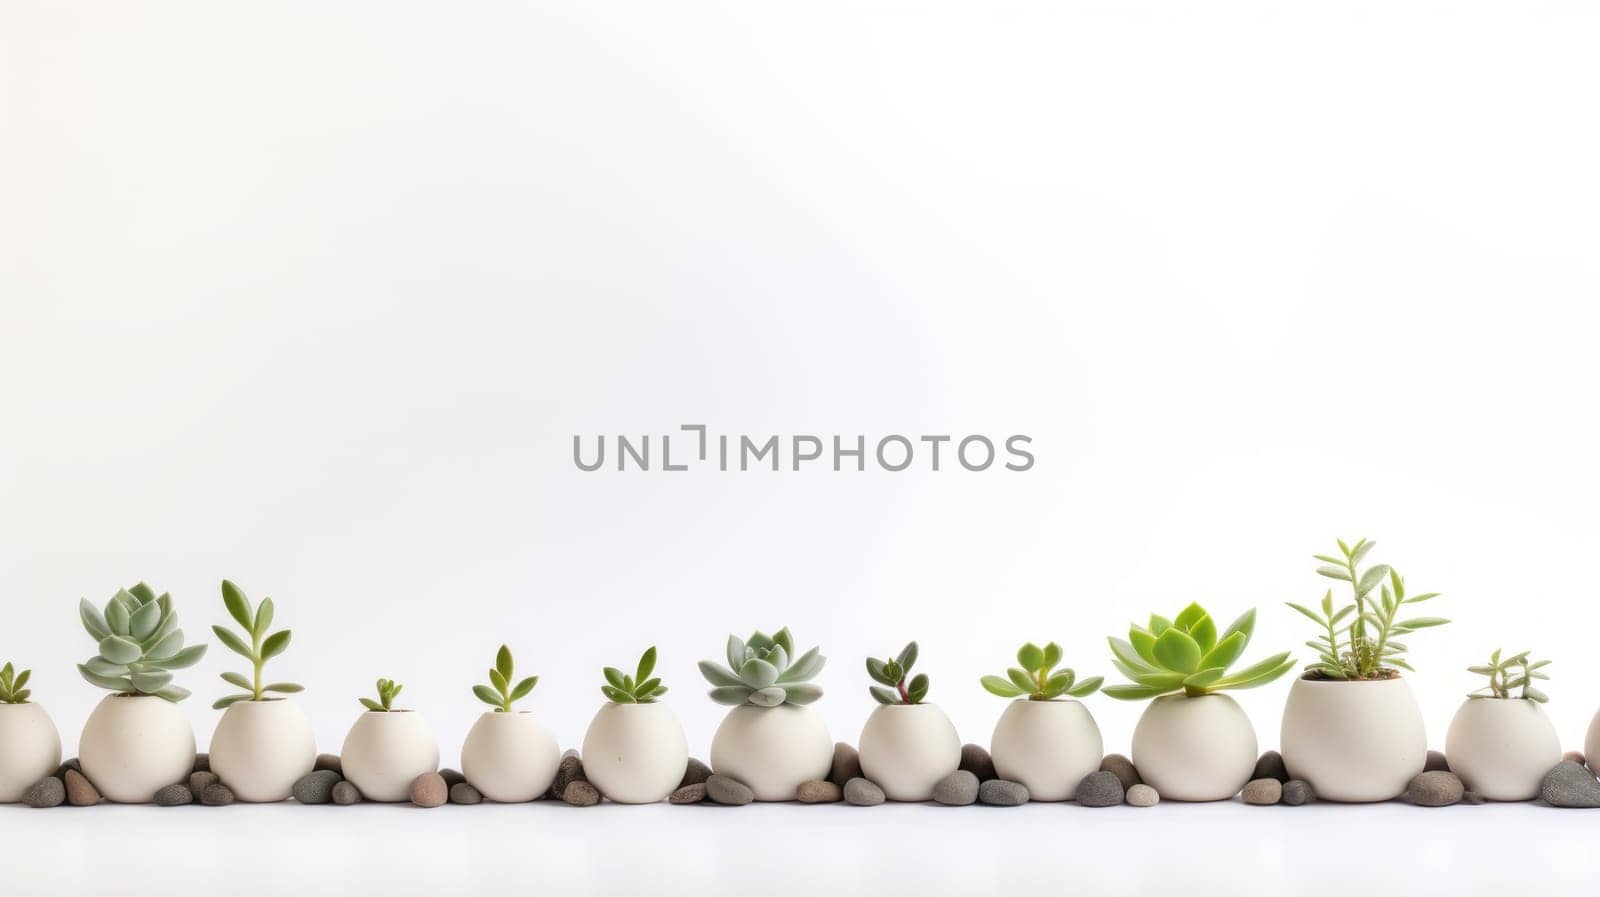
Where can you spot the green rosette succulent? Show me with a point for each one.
(140, 644)
(1185, 655)
(764, 670)
(1036, 678)
(639, 688)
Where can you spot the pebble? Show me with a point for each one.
(177, 795)
(1575, 756)
(47, 792)
(688, 794)
(428, 790)
(345, 793)
(728, 792)
(1569, 785)
(460, 793)
(976, 760)
(958, 789)
(1098, 789)
(1262, 792)
(1122, 768)
(199, 780)
(202, 763)
(846, 765)
(80, 791)
(695, 773)
(61, 771)
(570, 770)
(216, 795)
(1438, 788)
(452, 777)
(580, 793)
(329, 761)
(862, 792)
(1142, 795)
(315, 787)
(1001, 793)
(818, 791)
(1297, 792)
(1270, 766)
(1473, 798)
(1436, 762)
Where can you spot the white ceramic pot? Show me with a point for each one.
(907, 748)
(260, 748)
(1196, 749)
(1502, 747)
(510, 757)
(1356, 742)
(1591, 740)
(134, 745)
(385, 751)
(635, 753)
(1049, 746)
(30, 748)
(772, 749)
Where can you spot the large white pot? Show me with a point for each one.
(260, 748)
(635, 753)
(510, 757)
(772, 749)
(1049, 746)
(1199, 748)
(1502, 747)
(30, 748)
(907, 748)
(1354, 741)
(385, 751)
(134, 745)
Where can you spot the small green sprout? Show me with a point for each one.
(262, 647)
(1186, 655)
(13, 685)
(1369, 649)
(1036, 678)
(504, 694)
(1515, 671)
(640, 688)
(388, 690)
(892, 673)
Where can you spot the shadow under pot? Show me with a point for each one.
(30, 748)
(385, 750)
(1048, 746)
(261, 748)
(1502, 747)
(635, 753)
(1199, 748)
(510, 758)
(135, 745)
(1355, 741)
(907, 748)
(772, 749)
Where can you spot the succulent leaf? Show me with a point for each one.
(1187, 657)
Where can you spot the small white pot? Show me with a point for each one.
(260, 748)
(1591, 740)
(134, 745)
(510, 757)
(772, 749)
(1502, 747)
(1356, 742)
(1049, 746)
(907, 748)
(1196, 749)
(385, 751)
(635, 753)
(30, 748)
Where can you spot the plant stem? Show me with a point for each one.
(258, 662)
(901, 687)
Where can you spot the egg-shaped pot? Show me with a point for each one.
(1354, 741)
(134, 745)
(260, 748)
(635, 753)
(1502, 747)
(510, 757)
(385, 750)
(907, 748)
(30, 748)
(1194, 748)
(772, 749)
(1591, 740)
(1048, 746)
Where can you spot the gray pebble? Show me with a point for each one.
(1263, 792)
(1270, 766)
(346, 793)
(174, 796)
(1001, 793)
(1098, 789)
(570, 770)
(695, 773)
(1436, 762)
(1142, 795)
(580, 793)
(202, 763)
(316, 787)
(846, 765)
(1569, 785)
(452, 777)
(1437, 788)
(958, 789)
(464, 793)
(216, 795)
(329, 761)
(1297, 792)
(1473, 798)
(818, 791)
(688, 794)
(1122, 768)
(47, 792)
(727, 791)
(862, 792)
(976, 760)
(199, 780)
(72, 763)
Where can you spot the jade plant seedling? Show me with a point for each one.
(640, 688)
(388, 690)
(764, 670)
(1516, 671)
(1186, 655)
(503, 694)
(1358, 640)
(1036, 677)
(13, 685)
(263, 645)
(891, 676)
(140, 644)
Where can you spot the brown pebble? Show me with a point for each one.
(452, 776)
(345, 794)
(202, 763)
(1262, 792)
(1473, 797)
(1122, 768)
(1436, 761)
(429, 790)
(216, 795)
(1270, 766)
(819, 792)
(198, 781)
(45, 793)
(689, 794)
(61, 771)
(1575, 757)
(581, 794)
(1435, 788)
(570, 770)
(464, 793)
(329, 761)
(846, 764)
(976, 760)
(80, 791)
(694, 773)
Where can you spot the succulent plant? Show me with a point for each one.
(891, 674)
(262, 647)
(388, 690)
(763, 670)
(1186, 655)
(503, 694)
(1516, 671)
(1363, 647)
(140, 644)
(13, 685)
(1036, 678)
(640, 688)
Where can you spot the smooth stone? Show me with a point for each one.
(1439, 788)
(695, 773)
(198, 781)
(47, 792)
(346, 793)
(958, 789)
(1001, 793)
(1297, 792)
(1270, 766)
(329, 761)
(1122, 768)
(174, 796)
(818, 791)
(1098, 789)
(976, 760)
(863, 792)
(80, 791)
(216, 795)
(688, 794)
(71, 763)
(1262, 792)
(463, 793)
(846, 764)
(202, 763)
(1142, 795)
(570, 770)
(316, 787)
(1473, 798)
(580, 793)
(727, 791)
(1436, 762)
(1569, 785)
(428, 790)
(452, 777)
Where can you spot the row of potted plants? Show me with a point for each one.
(1351, 726)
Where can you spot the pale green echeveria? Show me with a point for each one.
(140, 644)
(764, 670)
(1186, 655)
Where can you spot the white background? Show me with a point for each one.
(314, 297)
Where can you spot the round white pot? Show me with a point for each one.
(1591, 740)
(134, 745)
(385, 750)
(1199, 748)
(30, 748)
(635, 753)
(1356, 742)
(260, 748)
(1049, 746)
(907, 748)
(772, 749)
(510, 757)
(1502, 747)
